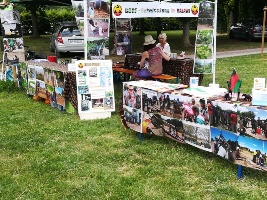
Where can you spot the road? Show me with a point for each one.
(234, 53)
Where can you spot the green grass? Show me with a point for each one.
(174, 39)
(48, 154)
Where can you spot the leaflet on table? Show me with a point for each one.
(158, 86)
(259, 83)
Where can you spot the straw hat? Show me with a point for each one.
(149, 40)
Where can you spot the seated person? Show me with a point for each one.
(163, 44)
(153, 55)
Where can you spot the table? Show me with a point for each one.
(236, 132)
(181, 68)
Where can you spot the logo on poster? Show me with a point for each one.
(194, 9)
(80, 65)
(117, 10)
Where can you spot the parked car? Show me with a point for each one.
(249, 29)
(66, 38)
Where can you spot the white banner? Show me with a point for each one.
(154, 9)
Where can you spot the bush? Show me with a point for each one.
(10, 86)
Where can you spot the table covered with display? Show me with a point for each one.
(53, 82)
(201, 117)
(181, 68)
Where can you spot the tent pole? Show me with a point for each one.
(85, 31)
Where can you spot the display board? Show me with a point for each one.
(47, 81)
(96, 30)
(12, 47)
(236, 132)
(204, 46)
(123, 36)
(95, 87)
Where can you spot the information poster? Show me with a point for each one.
(95, 90)
(97, 17)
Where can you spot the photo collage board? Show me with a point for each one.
(236, 132)
(46, 83)
(204, 47)
(95, 89)
(123, 36)
(12, 46)
(98, 26)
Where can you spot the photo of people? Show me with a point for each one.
(78, 8)
(160, 125)
(39, 73)
(197, 135)
(31, 72)
(206, 9)
(224, 144)
(11, 30)
(132, 96)
(150, 102)
(59, 79)
(98, 46)
(10, 17)
(108, 103)
(123, 24)
(225, 116)
(49, 77)
(13, 45)
(252, 153)
(98, 8)
(252, 122)
(98, 28)
(203, 66)
(98, 103)
(83, 89)
(133, 118)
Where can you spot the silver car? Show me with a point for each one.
(66, 38)
(249, 30)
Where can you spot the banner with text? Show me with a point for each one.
(154, 9)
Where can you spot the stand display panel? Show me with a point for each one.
(95, 88)
(236, 132)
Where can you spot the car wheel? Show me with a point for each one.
(248, 38)
(231, 35)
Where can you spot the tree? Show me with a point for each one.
(186, 32)
(35, 6)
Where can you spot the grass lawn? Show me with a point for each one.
(48, 154)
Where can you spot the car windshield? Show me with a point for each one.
(69, 31)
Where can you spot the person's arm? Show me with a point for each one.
(144, 56)
(167, 49)
(165, 56)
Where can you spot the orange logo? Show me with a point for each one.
(117, 10)
(194, 9)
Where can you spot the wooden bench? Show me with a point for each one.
(164, 77)
(118, 70)
(117, 64)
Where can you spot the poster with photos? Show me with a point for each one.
(123, 36)
(204, 47)
(95, 90)
(133, 118)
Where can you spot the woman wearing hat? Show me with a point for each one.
(153, 55)
(163, 44)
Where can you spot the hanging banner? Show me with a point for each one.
(204, 47)
(154, 9)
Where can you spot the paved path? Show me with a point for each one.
(243, 52)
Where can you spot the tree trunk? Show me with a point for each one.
(186, 33)
(158, 26)
(142, 26)
(34, 22)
